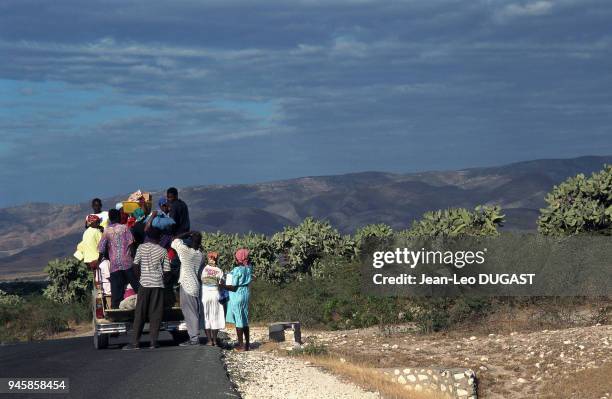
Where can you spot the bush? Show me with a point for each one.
(70, 281)
(483, 221)
(579, 205)
(371, 232)
(301, 246)
(10, 300)
(309, 349)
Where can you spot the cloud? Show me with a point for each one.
(313, 86)
(530, 9)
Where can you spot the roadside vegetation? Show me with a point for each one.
(311, 272)
(34, 316)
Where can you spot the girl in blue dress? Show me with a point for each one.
(239, 292)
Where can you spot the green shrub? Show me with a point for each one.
(70, 281)
(309, 349)
(579, 205)
(300, 247)
(369, 232)
(10, 300)
(483, 221)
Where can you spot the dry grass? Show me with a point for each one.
(590, 383)
(369, 378)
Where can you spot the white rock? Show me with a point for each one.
(396, 372)
(395, 347)
(472, 338)
(401, 380)
(411, 378)
(521, 380)
(484, 359)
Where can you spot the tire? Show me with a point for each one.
(179, 336)
(100, 341)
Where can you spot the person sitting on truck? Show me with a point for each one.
(117, 239)
(87, 249)
(162, 220)
(191, 259)
(178, 211)
(238, 306)
(96, 206)
(153, 262)
(161, 217)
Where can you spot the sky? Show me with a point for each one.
(105, 97)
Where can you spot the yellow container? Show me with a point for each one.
(130, 206)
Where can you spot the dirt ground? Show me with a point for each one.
(563, 363)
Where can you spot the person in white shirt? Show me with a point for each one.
(214, 317)
(96, 206)
(191, 259)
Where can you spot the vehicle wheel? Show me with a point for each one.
(100, 341)
(179, 336)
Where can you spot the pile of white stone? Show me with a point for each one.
(454, 383)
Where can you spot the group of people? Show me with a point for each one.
(140, 257)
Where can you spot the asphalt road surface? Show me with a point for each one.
(166, 372)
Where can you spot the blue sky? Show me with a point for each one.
(100, 98)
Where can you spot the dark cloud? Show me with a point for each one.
(193, 92)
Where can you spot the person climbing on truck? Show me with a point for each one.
(117, 239)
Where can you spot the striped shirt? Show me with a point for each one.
(191, 259)
(153, 261)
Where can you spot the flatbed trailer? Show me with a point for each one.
(108, 323)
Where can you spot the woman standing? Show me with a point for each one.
(238, 308)
(214, 318)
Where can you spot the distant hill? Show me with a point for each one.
(32, 234)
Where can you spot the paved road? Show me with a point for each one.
(167, 372)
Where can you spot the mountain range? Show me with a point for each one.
(32, 234)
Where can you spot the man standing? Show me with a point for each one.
(191, 259)
(153, 262)
(178, 212)
(117, 239)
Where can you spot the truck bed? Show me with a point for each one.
(119, 315)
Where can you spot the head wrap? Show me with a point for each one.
(138, 214)
(242, 256)
(91, 219)
(118, 206)
(213, 255)
(161, 202)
